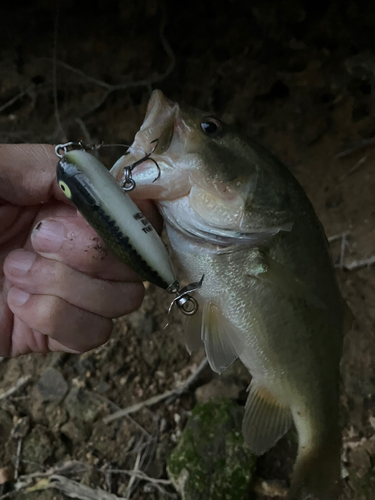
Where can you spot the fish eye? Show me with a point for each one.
(211, 126)
(65, 189)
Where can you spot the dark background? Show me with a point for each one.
(298, 76)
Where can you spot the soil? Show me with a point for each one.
(296, 77)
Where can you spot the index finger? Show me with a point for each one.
(28, 174)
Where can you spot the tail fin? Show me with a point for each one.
(317, 472)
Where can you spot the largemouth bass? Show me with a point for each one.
(234, 213)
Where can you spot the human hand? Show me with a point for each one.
(59, 286)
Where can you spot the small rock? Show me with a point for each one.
(218, 388)
(21, 428)
(36, 448)
(83, 405)
(56, 416)
(211, 460)
(237, 371)
(85, 363)
(102, 387)
(52, 386)
(6, 475)
(75, 430)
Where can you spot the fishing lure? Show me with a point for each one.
(116, 218)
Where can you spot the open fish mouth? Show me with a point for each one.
(159, 124)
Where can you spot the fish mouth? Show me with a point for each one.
(158, 124)
(160, 134)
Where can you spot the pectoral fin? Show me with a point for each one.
(222, 346)
(192, 331)
(280, 276)
(266, 420)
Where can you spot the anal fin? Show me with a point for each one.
(266, 420)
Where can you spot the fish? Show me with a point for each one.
(235, 213)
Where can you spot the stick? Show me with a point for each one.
(363, 144)
(18, 457)
(85, 131)
(20, 383)
(344, 242)
(73, 489)
(15, 98)
(337, 237)
(160, 397)
(353, 169)
(140, 475)
(121, 86)
(132, 476)
(356, 264)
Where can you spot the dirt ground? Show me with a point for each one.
(296, 77)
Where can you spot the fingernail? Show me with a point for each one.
(17, 297)
(20, 262)
(48, 236)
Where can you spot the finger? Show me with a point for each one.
(70, 326)
(71, 240)
(24, 340)
(40, 276)
(28, 174)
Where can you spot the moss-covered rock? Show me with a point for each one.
(211, 461)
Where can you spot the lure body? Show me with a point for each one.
(115, 217)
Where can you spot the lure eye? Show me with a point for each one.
(65, 189)
(211, 126)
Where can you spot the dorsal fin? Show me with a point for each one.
(266, 420)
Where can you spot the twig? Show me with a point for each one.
(337, 237)
(97, 105)
(354, 168)
(109, 88)
(160, 397)
(79, 72)
(73, 489)
(18, 458)
(344, 243)
(132, 476)
(356, 264)
(162, 490)
(85, 132)
(139, 426)
(8, 495)
(20, 383)
(363, 144)
(140, 475)
(16, 98)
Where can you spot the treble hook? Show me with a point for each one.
(128, 183)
